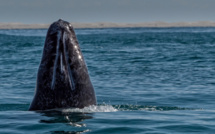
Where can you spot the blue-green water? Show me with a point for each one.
(147, 80)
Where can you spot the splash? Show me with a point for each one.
(148, 108)
(115, 108)
(92, 109)
(99, 108)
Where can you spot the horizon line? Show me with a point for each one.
(17, 25)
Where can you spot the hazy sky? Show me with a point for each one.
(131, 11)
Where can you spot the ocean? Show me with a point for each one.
(147, 80)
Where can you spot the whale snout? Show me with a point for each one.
(62, 26)
(62, 56)
(63, 52)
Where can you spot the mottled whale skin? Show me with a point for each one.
(62, 80)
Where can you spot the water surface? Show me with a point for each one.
(147, 80)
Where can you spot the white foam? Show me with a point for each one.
(92, 109)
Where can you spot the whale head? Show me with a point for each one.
(63, 79)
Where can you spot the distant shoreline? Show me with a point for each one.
(111, 25)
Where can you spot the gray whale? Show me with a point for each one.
(62, 80)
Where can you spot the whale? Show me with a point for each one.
(63, 80)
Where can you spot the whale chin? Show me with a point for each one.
(62, 80)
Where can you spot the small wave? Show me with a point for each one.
(24, 32)
(14, 107)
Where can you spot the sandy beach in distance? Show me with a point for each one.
(111, 25)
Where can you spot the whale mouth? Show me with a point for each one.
(66, 52)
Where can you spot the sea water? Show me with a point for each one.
(147, 80)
